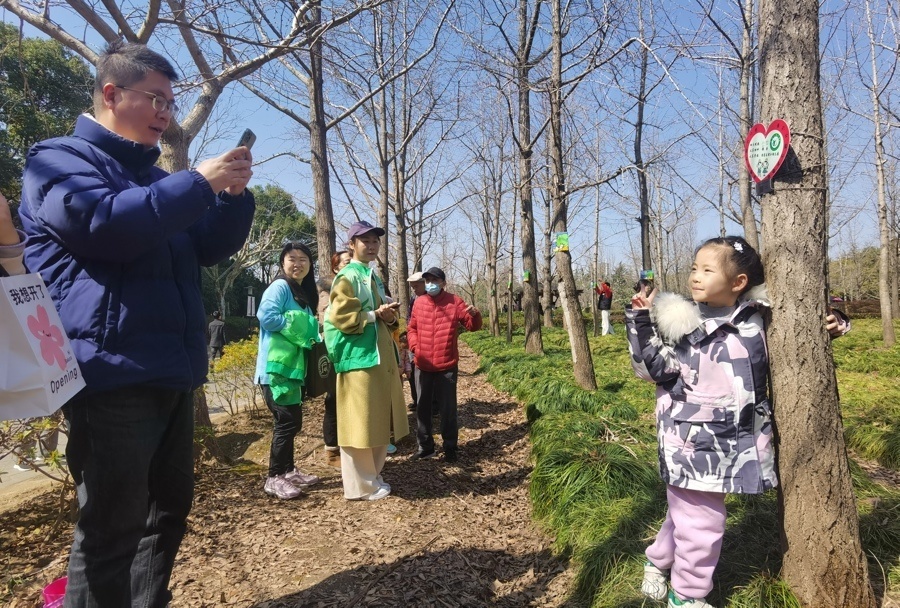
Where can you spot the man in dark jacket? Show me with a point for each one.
(216, 336)
(120, 243)
(433, 338)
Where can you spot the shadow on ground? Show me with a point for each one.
(451, 577)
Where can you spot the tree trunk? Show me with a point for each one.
(174, 146)
(493, 256)
(534, 343)
(547, 300)
(205, 444)
(643, 192)
(884, 225)
(748, 218)
(318, 147)
(823, 560)
(592, 299)
(568, 291)
(510, 300)
(895, 274)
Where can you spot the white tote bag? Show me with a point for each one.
(38, 372)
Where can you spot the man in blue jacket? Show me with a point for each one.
(120, 243)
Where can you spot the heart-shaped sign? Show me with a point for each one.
(765, 149)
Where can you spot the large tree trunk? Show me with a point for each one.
(534, 343)
(318, 147)
(568, 291)
(823, 561)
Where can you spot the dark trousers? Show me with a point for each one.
(329, 420)
(437, 390)
(288, 422)
(412, 386)
(130, 452)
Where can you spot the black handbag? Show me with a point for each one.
(320, 377)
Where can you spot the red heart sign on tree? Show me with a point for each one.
(765, 149)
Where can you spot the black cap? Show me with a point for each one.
(435, 272)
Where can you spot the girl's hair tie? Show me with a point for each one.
(739, 247)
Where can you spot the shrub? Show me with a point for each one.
(233, 376)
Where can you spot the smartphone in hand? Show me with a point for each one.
(248, 138)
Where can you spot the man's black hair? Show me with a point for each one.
(125, 63)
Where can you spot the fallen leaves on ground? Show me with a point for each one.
(450, 535)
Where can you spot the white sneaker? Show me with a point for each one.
(654, 584)
(675, 602)
(382, 492)
(281, 487)
(301, 480)
(21, 467)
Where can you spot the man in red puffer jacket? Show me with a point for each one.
(432, 335)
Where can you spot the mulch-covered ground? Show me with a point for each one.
(449, 535)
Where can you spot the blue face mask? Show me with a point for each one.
(432, 289)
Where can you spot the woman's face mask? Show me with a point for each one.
(432, 289)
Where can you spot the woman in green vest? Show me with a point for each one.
(370, 401)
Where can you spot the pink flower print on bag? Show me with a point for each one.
(50, 336)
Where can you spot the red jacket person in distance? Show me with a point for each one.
(433, 338)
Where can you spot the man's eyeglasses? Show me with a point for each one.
(160, 103)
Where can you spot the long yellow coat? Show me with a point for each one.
(369, 400)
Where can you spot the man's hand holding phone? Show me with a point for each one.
(230, 171)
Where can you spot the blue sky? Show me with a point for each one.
(685, 100)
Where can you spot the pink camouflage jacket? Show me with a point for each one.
(713, 416)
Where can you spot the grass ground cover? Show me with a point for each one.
(595, 485)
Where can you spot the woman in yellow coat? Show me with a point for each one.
(370, 401)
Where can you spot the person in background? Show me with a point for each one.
(12, 243)
(119, 243)
(12, 251)
(216, 336)
(293, 293)
(642, 288)
(417, 284)
(329, 418)
(604, 303)
(434, 340)
(358, 330)
(405, 356)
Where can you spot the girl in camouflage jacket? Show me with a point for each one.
(714, 422)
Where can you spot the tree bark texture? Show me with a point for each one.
(534, 342)
(318, 148)
(823, 560)
(748, 218)
(582, 361)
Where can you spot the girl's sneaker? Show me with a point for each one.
(676, 602)
(281, 488)
(654, 585)
(301, 480)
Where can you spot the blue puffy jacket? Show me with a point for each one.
(120, 243)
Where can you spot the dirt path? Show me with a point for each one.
(449, 535)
